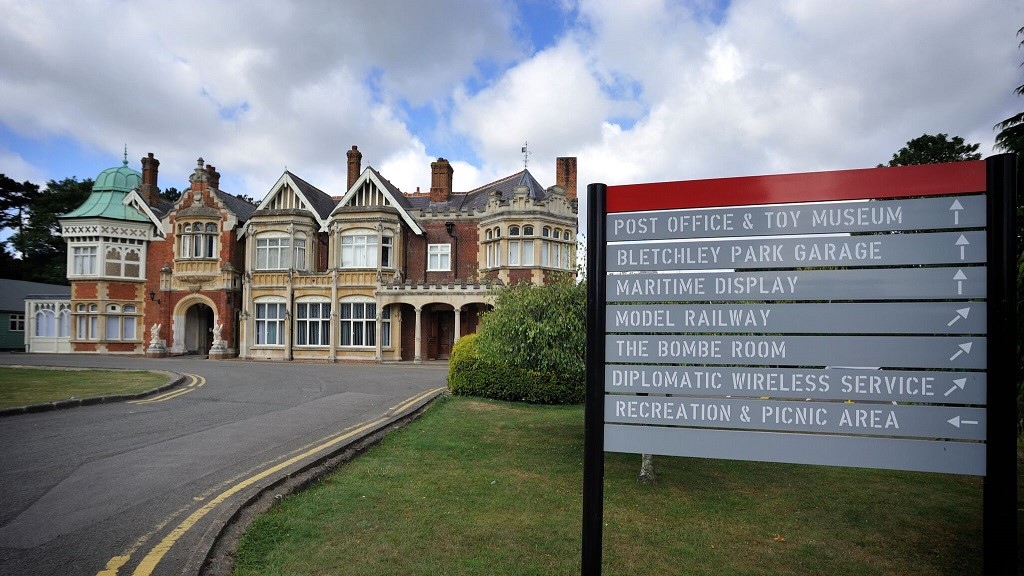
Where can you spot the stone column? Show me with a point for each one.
(419, 326)
(458, 323)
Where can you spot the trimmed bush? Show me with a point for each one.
(469, 374)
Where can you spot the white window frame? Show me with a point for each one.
(275, 252)
(270, 315)
(17, 322)
(85, 260)
(313, 322)
(359, 249)
(87, 324)
(387, 251)
(439, 257)
(357, 323)
(513, 252)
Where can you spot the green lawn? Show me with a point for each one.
(482, 487)
(27, 386)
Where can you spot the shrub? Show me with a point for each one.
(471, 374)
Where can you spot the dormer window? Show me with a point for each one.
(197, 240)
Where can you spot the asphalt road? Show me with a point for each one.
(143, 487)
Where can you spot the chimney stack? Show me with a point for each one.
(148, 190)
(355, 160)
(212, 177)
(440, 180)
(565, 175)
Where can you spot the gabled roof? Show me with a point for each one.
(14, 292)
(311, 198)
(134, 200)
(390, 194)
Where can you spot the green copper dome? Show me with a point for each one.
(120, 179)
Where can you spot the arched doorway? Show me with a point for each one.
(198, 334)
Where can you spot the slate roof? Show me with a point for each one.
(14, 292)
(242, 208)
(477, 199)
(320, 200)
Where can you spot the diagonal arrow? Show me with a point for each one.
(960, 313)
(964, 349)
(959, 277)
(958, 383)
(956, 208)
(962, 242)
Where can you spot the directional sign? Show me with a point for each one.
(959, 248)
(874, 419)
(852, 384)
(966, 282)
(820, 449)
(873, 318)
(776, 219)
(888, 351)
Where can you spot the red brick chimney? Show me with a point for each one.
(213, 177)
(565, 175)
(440, 180)
(355, 159)
(148, 190)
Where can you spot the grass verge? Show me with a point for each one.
(485, 487)
(29, 386)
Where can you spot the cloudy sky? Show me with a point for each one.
(638, 91)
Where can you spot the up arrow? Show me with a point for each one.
(956, 208)
(959, 277)
(958, 383)
(956, 421)
(962, 243)
(965, 348)
(960, 313)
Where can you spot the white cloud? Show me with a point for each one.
(642, 91)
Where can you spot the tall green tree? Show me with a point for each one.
(934, 149)
(16, 200)
(540, 328)
(39, 241)
(1011, 139)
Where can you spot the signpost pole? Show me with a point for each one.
(1000, 488)
(593, 440)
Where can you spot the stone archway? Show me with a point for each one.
(193, 322)
(198, 337)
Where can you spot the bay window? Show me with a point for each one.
(358, 323)
(313, 323)
(270, 317)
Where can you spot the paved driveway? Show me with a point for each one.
(144, 487)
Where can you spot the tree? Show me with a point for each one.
(170, 194)
(1011, 139)
(39, 240)
(541, 328)
(934, 149)
(1011, 130)
(16, 199)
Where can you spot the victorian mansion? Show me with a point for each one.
(370, 273)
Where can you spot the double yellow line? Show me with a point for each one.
(196, 383)
(149, 562)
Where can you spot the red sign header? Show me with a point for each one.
(888, 182)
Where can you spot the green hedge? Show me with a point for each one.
(471, 375)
